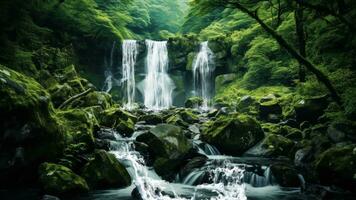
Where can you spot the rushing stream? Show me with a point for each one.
(221, 178)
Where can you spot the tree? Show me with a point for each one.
(207, 5)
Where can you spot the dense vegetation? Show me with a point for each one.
(285, 78)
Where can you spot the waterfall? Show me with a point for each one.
(129, 54)
(158, 86)
(203, 67)
(108, 72)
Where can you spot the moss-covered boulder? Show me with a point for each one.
(79, 124)
(277, 145)
(337, 166)
(60, 180)
(105, 171)
(28, 124)
(233, 134)
(152, 118)
(193, 102)
(270, 110)
(165, 140)
(223, 80)
(94, 98)
(118, 119)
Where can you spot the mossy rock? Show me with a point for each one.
(60, 180)
(113, 116)
(27, 121)
(337, 166)
(75, 156)
(193, 102)
(166, 140)
(233, 134)
(277, 145)
(152, 118)
(105, 171)
(94, 98)
(79, 125)
(125, 127)
(223, 80)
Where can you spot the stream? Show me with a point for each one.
(221, 178)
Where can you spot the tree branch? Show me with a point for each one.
(70, 100)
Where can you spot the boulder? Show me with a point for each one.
(193, 102)
(272, 146)
(165, 140)
(337, 166)
(60, 180)
(310, 109)
(105, 171)
(270, 110)
(233, 134)
(29, 127)
(285, 175)
(118, 119)
(152, 118)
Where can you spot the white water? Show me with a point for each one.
(158, 86)
(129, 55)
(108, 73)
(203, 67)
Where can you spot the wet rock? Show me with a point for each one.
(105, 171)
(303, 156)
(166, 140)
(194, 129)
(60, 180)
(105, 133)
(337, 165)
(50, 197)
(192, 164)
(233, 134)
(285, 175)
(102, 144)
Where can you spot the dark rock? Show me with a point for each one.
(311, 109)
(270, 111)
(105, 133)
(152, 118)
(105, 171)
(102, 144)
(285, 175)
(50, 197)
(337, 166)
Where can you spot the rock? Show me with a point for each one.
(245, 102)
(233, 134)
(60, 180)
(118, 119)
(192, 164)
(94, 98)
(285, 175)
(80, 125)
(189, 116)
(270, 110)
(105, 133)
(311, 109)
(337, 166)
(193, 102)
(31, 133)
(335, 135)
(105, 171)
(104, 144)
(166, 141)
(169, 148)
(303, 156)
(152, 118)
(223, 80)
(194, 129)
(49, 197)
(272, 146)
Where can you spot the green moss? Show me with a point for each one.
(277, 145)
(105, 171)
(59, 180)
(233, 134)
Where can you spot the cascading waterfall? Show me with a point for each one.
(203, 67)
(158, 86)
(129, 54)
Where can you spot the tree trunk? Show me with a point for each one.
(282, 42)
(299, 23)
